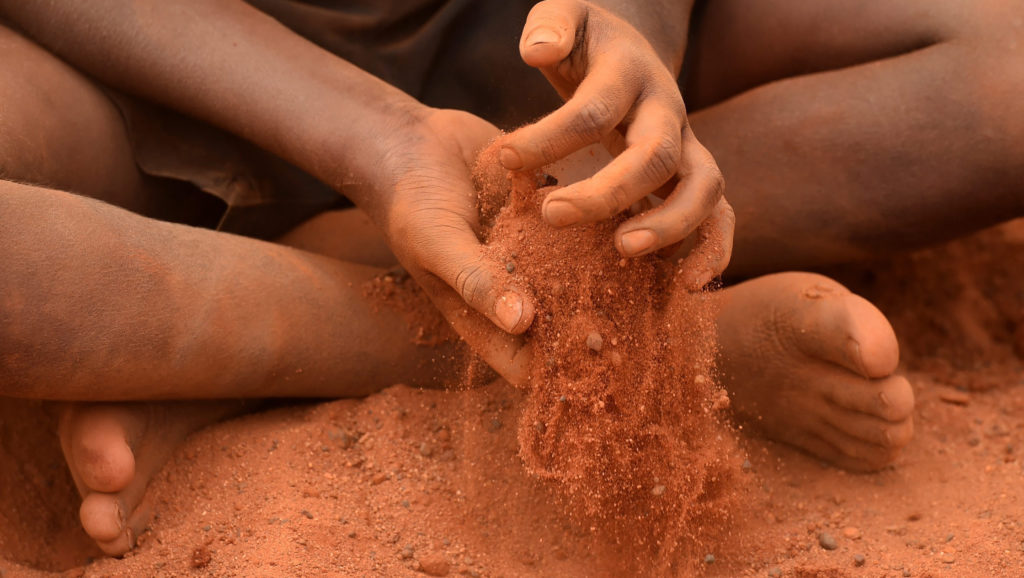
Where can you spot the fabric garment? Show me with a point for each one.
(447, 53)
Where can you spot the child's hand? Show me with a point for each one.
(612, 78)
(431, 221)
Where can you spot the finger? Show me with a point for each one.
(710, 257)
(550, 32)
(695, 196)
(507, 354)
(457, 257)
(598, 105)
(651, 158)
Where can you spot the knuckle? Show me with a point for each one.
(616, 199)
(716, 180)
(472, 283)
(663, 161)
(593, 119)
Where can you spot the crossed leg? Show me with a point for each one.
(847, 130)
(102, 304)
(822, 349)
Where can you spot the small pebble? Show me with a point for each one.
(907, 573)
(775, 572)
(510, 267)
(594, 341)
(955, 397)
(307, 514)
(827, 541)
(747, 466)
(658, 490)
(426, 450)
(201, 557)
(858, 559)
(947, 558)
(434, 565)
(709, 559)
(852, 533)
(616, 359)
(407, 552)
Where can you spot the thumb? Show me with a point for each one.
(509, 355)
(550, 32)
(458, 259)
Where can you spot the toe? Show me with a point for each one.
(111, 523)
(103, 517)
(829, 451)
(890, 399)
(99, 452)
(845, 329)
(870, 429)
(866, 455)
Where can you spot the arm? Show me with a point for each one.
(228, 64)
(407, 165)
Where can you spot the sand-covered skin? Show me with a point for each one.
(950, 506)
(622, 414)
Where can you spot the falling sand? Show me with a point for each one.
(622, 413)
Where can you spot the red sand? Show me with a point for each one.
(411, 479)
(622, 411)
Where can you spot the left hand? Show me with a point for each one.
(612, 78)
(428, 211)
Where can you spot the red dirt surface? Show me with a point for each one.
(408, 482)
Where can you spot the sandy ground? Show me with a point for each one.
(407, 482)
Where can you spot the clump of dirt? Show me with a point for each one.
(622, 410)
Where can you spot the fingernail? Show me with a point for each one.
(561, 213)
(509, 310)
(510, 159)
(636, 242)
(543, 36)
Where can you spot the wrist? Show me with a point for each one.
(664, 24)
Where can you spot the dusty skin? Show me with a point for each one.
(103, 466)
(405, 477)
(854, 415)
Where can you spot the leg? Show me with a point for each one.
(846, 130)
(76, 274)
(102, 304)
(114, 449)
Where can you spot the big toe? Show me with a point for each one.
(846, 329)
(96, 445)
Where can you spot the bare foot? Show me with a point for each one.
(114, 449)
(811, 364)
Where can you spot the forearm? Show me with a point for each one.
(664, 23)
(228, 64)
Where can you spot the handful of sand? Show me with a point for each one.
(621, 398)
